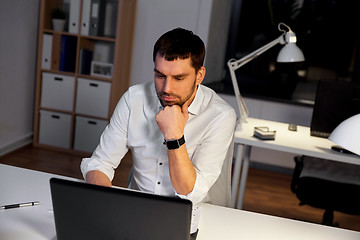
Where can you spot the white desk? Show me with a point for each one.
(37, 222)
(299, 142)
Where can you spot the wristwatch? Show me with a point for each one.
(174, 144)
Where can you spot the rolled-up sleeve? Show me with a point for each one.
(113, 143)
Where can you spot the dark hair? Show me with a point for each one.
(181, 43)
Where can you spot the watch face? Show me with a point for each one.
(174, 144)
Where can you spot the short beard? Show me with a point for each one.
(160, 94)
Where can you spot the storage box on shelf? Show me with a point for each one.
(55, 124)
(87, 133)
(57, 91)
(77, 85)
(92, 98)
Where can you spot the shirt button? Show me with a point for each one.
(160, 163)
(158, 182)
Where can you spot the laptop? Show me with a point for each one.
(335, 101)
(86, 211)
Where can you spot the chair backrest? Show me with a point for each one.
(220, 192)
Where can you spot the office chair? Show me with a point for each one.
(220, 192)
(329, 185)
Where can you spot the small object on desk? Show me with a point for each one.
(18, 205)
(292, 127)
(264, 133)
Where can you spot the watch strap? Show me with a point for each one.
(174, 144)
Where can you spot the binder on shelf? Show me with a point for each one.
(110, 18)
(46, 51)
(103, 18)
(85, 17)
(85, 61)
(74, 16)
(68, 53)
(94, 17)
(66, 8)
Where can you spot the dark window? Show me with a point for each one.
(327, 32)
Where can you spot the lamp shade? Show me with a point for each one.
(290, 53)
(347, 134)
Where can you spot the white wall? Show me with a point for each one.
(155, 17)
(18, 38)
(217, 40)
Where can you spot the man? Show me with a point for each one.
(155, 119)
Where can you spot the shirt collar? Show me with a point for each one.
(195, 106)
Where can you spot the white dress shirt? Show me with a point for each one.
(208, 134)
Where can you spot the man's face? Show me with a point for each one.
(176, 81)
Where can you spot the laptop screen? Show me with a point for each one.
(335, 101)
(86, 211)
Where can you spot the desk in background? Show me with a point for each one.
(37, 222)
(296, 142)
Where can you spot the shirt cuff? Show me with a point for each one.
(196, 195)
(87, 165)
(183, 196)
(188, 196)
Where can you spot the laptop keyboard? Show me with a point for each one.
(319, 134)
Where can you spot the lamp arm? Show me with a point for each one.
(236, 64)
(244, 112)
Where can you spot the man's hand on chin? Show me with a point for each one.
(172, 120)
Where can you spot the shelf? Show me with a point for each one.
(106, 39)
(50, 31)
(75, 78)
(98, 38)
